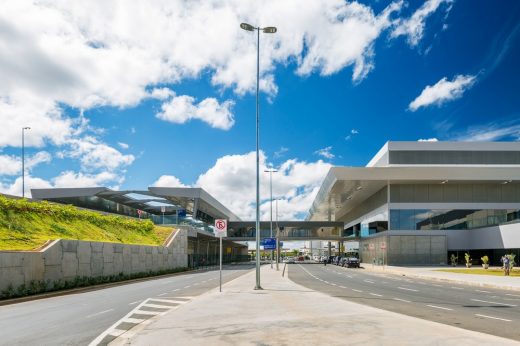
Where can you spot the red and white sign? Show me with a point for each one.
(220, 228)
(383, 245)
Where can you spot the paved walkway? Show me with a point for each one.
(491, 281)
(285, 313)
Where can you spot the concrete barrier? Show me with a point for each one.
(67, 259)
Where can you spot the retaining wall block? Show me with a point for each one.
(118, 263)
(53, 272)
(84, 252)
(69, 245)
(148, 249)
(108, 252)
(53, 255)
(33, 267)
(118, 248)
(11, 259)
(84, 269)
(96, 246)
(127, 263)
(69, 265)
(108, 269)
(96, 264)
(11, 275)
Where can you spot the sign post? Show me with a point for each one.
(163, 209)
(220, 232)
(383, 247)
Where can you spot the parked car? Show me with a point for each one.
(352, 262)
(289, 260)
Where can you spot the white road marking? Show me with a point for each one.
(402, 300)
(333, 284)
(407, 289)
(175, 290)
(439, 307)
(326, 282)
(100, 313)
(512, 295)
(495, 303)
(162, 294)
(196, 284)
(357, 290)
(133, 303)
(377, 295)
(349, 276)
(457, 288)
(494, 318)
(187, 286)
(369, 281)
(437, 285)
(482, 291)
(342, 286)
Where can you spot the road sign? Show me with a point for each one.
(383, 245)
(139, 211)
(181, 213)
(220, 228)
(269, 243)
(163, 209)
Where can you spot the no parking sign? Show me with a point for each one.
(221, 228)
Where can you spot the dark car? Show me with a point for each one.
(352, 262)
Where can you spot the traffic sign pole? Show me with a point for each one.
(220, 231)
(220, 265)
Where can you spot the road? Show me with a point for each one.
(491, 311)
(77, 319)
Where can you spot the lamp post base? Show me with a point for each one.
(258, 288)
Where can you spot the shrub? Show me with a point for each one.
(485, 259)
(467, 258)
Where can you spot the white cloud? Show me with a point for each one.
(353, 132)
(12, 165)
(325, 152)
(232, 181)
(443, 91)
(123, 145)
(168, 181)
(281, 152)
(181, 109)
(15, 188)
(161, 93)
(413, 27)
(97, 155)
(428, 140)
(75, 179)
(490, 132)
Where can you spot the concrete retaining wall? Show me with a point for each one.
(67, 259)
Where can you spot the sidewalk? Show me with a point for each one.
(430, 273)
(285, 313)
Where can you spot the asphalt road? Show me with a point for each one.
(490, 311)
(77, 319)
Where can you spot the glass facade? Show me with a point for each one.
(428, 219)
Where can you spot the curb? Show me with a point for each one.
(92, 288)
(439, 279)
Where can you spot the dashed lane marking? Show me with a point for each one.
(375, 294)
(402, 300)
(99, 313)
(360, 291)
(457, 288)
(342, 286)
(512, 295)
(494, 303)
(439, 307)
(407, 289)
(141, 314)
(493, 318)
(369, 281)
(162, 294)
(175, 290)
(482, 291)
(133, 303)
(187, 286)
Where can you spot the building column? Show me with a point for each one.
(330, 248)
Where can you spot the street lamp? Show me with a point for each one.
(266, 30)
(23, 159)
(271, 171)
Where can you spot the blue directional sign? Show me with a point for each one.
(269, 243)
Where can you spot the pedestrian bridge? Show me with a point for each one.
(289, 230)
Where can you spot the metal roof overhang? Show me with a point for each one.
(346, 187)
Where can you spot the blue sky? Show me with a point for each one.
(162, 93)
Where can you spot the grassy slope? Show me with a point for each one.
(481, 271)
(27, 225)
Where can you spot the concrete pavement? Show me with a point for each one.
(286, 313)
(431, 273)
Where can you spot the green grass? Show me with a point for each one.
(482, 271)
(28, 225)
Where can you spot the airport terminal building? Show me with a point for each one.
(419, 202)
(414, 203)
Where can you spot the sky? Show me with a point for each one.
(162, 93)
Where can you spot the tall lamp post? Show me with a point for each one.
(23, 159)
(266, 30)
(271, 171)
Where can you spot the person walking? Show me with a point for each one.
(505, 261)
